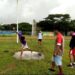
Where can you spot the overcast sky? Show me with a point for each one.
(34, 9)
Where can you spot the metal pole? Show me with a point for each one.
(17, 22)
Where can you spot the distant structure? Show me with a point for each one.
(34, 28)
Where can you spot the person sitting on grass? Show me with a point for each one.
(23, 42)
(72, 51)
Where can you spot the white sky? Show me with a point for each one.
(34, 9)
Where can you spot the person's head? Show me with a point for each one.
(72, 33)
(40, 31)
(56, 31)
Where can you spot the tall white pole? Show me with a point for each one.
(34, 28)
(17, 22)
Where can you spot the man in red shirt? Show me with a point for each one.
(58, 52)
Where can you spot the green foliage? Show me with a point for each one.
(72, 25)
(24, 27)
(62, 22)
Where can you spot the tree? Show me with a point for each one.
(72, 25)
(24, 27)
(53, 21)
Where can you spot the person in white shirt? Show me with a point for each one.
(40, 37)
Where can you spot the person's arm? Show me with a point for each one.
(57, 50)
(57, 46)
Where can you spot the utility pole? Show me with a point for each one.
(17, 22)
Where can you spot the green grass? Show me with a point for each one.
(11, 66)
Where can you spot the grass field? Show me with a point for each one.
(11, 66)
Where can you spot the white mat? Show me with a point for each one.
(27, 55)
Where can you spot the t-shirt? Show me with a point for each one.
(40, 35)
(72, 41)
(20, 34)
(21, 38)
(60, 41)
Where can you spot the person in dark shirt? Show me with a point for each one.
(72, 51)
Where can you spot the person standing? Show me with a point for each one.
(58, 52)
(72, 51)
(40, 37)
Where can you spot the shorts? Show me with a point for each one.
(40, 40)
(72, 51)
(57, 59)
(24, 46)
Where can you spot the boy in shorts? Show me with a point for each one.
(58, 52)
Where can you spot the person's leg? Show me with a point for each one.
(40, 41)
(60, 70)
(52, 65)
(22, 48)
(74, 57)
(58, 60)
(71, 58)
(21, 53)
